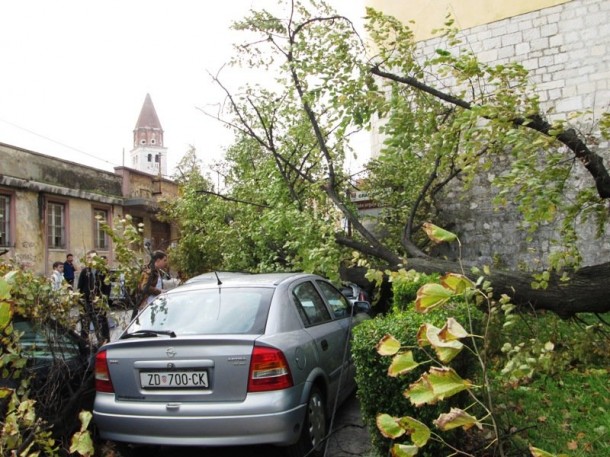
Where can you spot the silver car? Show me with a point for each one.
(243, 360)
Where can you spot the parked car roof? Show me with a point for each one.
(214, 276)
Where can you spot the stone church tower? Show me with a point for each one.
(148, 153)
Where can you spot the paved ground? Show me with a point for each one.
(350, 436)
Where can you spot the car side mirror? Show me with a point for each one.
(362, 307)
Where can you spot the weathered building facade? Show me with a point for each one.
(51, 207)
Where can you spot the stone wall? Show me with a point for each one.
(566, 49)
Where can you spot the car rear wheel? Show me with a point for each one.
(313, 431)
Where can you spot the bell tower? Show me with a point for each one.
(148, 153)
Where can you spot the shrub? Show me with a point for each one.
(379, 392)
(405, 285)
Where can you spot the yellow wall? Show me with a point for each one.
(430, 14)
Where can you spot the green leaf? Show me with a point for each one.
(5, 392)
(420, 393)
(446, 354)
(446, 350)
(420, 433)
(540, 453)
(431, 296)
(389, 426)
(404, 450)
(85, 418)
(401, 364)
(456, 282)
(445, 382)
(452, 330)
(5, 289)
(437, 234)
(456, 418)
(388, 345)
(82, 443)
(6, 314)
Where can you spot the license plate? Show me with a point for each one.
(174, 379)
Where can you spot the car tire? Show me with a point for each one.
(313, 432)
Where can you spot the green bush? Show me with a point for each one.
(577, 343)
(380, 393)
(406, 285)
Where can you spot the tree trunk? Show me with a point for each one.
(587, 291)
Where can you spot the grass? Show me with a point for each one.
(564, 409)
(567, 415)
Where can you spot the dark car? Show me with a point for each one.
(60, 367)
(248, 359)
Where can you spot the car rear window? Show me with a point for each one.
(45, 342)
(209, 311)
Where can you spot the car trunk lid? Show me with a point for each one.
(197, 368)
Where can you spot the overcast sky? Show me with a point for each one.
(75, 73)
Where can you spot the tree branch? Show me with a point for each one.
(591, 161)
(230, 199)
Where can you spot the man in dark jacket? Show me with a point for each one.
(94, 297)
(69, 270)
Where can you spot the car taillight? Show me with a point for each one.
(268, 370)
(103, 383)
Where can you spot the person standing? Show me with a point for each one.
(69, 270)
(151, 280)
(57, 278)
(93, 289)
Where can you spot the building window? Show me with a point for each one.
(101, 239)
(137, 222)
(56, 225)
(153, 141)
(5, 220)
(150, 157)
(157, 158)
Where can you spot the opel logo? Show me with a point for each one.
(170, 352)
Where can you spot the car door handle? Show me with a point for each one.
(324, 345)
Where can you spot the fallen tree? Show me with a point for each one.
(286, 191)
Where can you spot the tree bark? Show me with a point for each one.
(587, 291)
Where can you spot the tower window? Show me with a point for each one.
(142, 141)
(150, 157)
(153, 141)
(157, 158)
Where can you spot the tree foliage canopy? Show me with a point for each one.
(285, 198)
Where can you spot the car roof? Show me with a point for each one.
(244, 279)
(214, 275)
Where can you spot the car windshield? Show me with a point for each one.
(208, 311)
